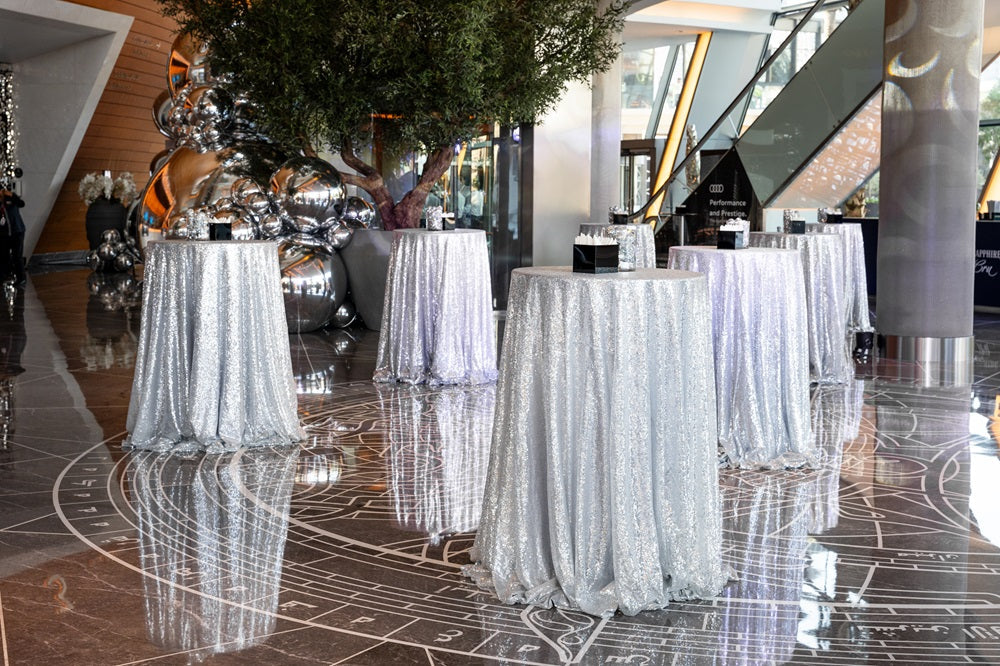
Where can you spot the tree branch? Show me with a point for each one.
(435, 166)
(307, 147)
(355, 180)
(407, 212)
(352, 160)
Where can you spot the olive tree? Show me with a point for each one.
(404, 75)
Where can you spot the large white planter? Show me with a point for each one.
(367, 260)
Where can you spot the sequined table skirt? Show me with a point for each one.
(213, 369)
(823, 264)
(602, 492)
(855, 274)
(761, 353)
(645, 248)
(437, 319)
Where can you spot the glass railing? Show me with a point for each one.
(803, 32)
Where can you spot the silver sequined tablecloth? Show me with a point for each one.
(602, 492)
(823, 264)
(437, 320)
(761, 353)
(213, 369)
(855, 275)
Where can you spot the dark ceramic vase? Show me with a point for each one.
(104, 214)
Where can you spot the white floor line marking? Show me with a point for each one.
(3, 634)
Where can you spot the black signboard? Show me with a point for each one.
(987, 284)
(723, 195)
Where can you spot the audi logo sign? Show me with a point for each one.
(715, 188)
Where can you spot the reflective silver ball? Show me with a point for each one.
(158, 160)
(94, 261)
(271, 225)
(106, 251)
(245, 228)
(314, 284)
(177, 186)
(163, 106)
(345, 315)
(187, 63)
(357, 213)
(226, 214)
(177, 119)
(309, 190)
(123, 262)
(339, 235)
(208, 103)
(255, 201)
(110, 236)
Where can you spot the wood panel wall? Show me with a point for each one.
(121, 135)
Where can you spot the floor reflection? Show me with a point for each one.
(112, 321)
(13, 338)
(439, 440)
(349, 550)
(212, 531)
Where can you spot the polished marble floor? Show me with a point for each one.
(347, 550)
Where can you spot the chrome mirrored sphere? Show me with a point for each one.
(211, 103)
(123, 262)
(175, 188)
(345, 315)
(314, 285)
(245, 228)
(309, 190)
(159, 159)
(188, 63)
(245, 119)
(106, 251)
(163, 106)
(271, 225)
(226, 214)
(339, 235)
(357, 213)
(256, 202)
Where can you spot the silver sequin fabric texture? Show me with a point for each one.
(855, 274)
(602, 492)
(645, 247)
(213, 369)
(823, 264)
(437, 318)
(761, 353)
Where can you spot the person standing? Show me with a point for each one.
(11, 237)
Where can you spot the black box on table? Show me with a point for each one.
(731, 240)
(595, 258)
(220, 231)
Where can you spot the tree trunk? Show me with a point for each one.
(404, 214)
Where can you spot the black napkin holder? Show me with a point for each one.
(796, 226)
(219, 231)
(595, 258)
(731, 240)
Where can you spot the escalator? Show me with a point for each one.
(831, 104)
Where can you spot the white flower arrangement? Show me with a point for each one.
(93, 186)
